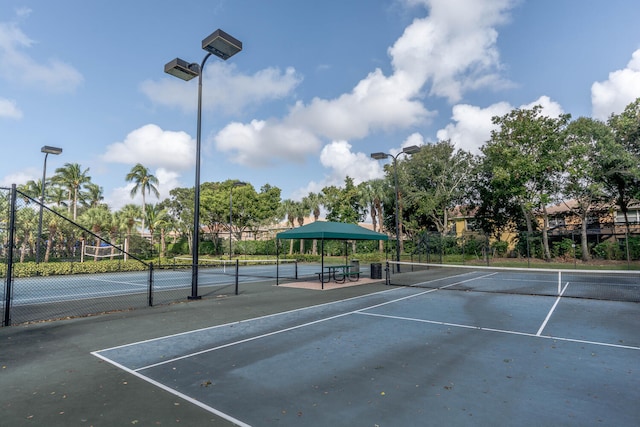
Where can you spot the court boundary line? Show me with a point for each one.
(546, 320)
(503, 331)
(174, 391)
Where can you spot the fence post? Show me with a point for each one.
(7, 289)
(151, 284)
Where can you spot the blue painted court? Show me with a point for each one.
(408, 357)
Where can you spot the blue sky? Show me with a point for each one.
(316, 89)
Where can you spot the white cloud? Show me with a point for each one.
(20, 177)
(260, 143)
(264, 85)
(9, 109)
(454, 47)
(342, 162)
(17, 66)
(473, 125)
(620, 89)
(153, 147)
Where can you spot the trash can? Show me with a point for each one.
(355, 266)
(376, 270)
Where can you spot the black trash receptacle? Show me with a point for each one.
(376, 270)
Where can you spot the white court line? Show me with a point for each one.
(174, 392)
(546, 320)
(502, 331)
(119, 282)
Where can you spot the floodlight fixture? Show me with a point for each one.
(412, 149)
(379, 156)
(222, 44)
(51, 150)
(182, 69)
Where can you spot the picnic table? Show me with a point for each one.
(339, 273)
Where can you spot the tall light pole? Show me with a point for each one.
(223, 46)
(46, 150)
(412, 149)
(235, 184)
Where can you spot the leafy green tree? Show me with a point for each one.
(621, 159)
(527, 154)
(343, 204)
(180, 208)
(145, 183)
(438, 180)
(583, 183)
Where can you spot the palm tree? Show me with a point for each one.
(96, 219)
(72, 177)
(57, 195)
(289, 212)
(32, 189)
(27, 221)
(314, 201)
(53, 223)
(377, 190)
(144, 183)
(129, 216)
(302, 209)
(154, 215)
(94, 195)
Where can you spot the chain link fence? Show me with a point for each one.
(602, 245)
(53, 267)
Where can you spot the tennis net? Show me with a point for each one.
(615, 285)
(261, 268)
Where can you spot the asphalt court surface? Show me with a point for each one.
(408, 357)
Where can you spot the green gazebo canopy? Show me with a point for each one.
(326, 230)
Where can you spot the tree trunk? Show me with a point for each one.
(380, 223)
(545, 236)
(586, 256)
(47, 252)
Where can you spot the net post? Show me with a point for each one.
(151, 284)
(559, 282)
(387, 279)
(237, 274)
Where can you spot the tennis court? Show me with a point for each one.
(409, 356)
